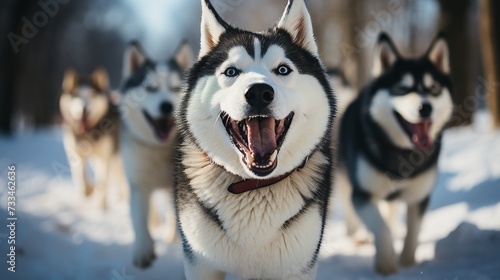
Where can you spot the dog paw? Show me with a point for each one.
(361, 237)
(407, 260)
(386, 268)
(386, 262)
(144, 253)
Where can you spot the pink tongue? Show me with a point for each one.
(421, 135)
(84, 122)
(261, 136)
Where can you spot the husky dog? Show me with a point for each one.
(148, 99)
(390, 139)
(91, 125)
(254, 164)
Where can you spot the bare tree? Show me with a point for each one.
(490, 42)
(456, 22)
(333, 26)
(32, 65)
(12, 12)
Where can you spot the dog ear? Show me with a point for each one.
(212, 27)
(134, 59)
(184, 56)
(297, 21)
(386, 55)
(70, 81)
(439, 54)
(100, 80)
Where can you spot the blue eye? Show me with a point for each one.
(283, 70)
(232, 72)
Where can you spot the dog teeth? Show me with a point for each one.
(262, 166)
(273, 156)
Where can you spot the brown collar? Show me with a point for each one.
(253, 184)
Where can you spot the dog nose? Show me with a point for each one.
(166, 108)
(425, 110)
(260, 96)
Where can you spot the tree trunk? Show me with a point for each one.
(7, 57)
(490, 43)
(456, 23)
(10, 67)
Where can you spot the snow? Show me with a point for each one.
(60, 236)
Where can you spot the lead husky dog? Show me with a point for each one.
(390, 141)
(254, 164)
(91, 125)
(149, 96)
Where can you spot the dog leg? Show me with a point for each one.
(355, 228)
(195, 271)
(385, 257)
(390, 211)
(79, 173)
(352, 220)
(414, 217)
(102, 171)
(144, 253)
(171, 234)
(155, 219)
(168, 223)
(120, 178)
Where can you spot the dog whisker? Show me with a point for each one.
(216, 119)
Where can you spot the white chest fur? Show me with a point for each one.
(252, 240)
(146, 166)
(380, 185)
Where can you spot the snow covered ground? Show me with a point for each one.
(59, 236)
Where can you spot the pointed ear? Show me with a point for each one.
(134, 59)
(70, 81)
(184, 56)
(100, 79)
(439, 55)
(297, 21)
(212, 27)
(386, 55)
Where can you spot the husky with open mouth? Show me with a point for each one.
(254, 163)
(148, 99)
(390, 139)
(91, 131)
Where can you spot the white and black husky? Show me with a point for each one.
(148, 99)
(390, 140)
(91, 131)
(254, 165)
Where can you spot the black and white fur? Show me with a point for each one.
(91, 126)
(390, 139)
(149, 96)
(273, 232)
